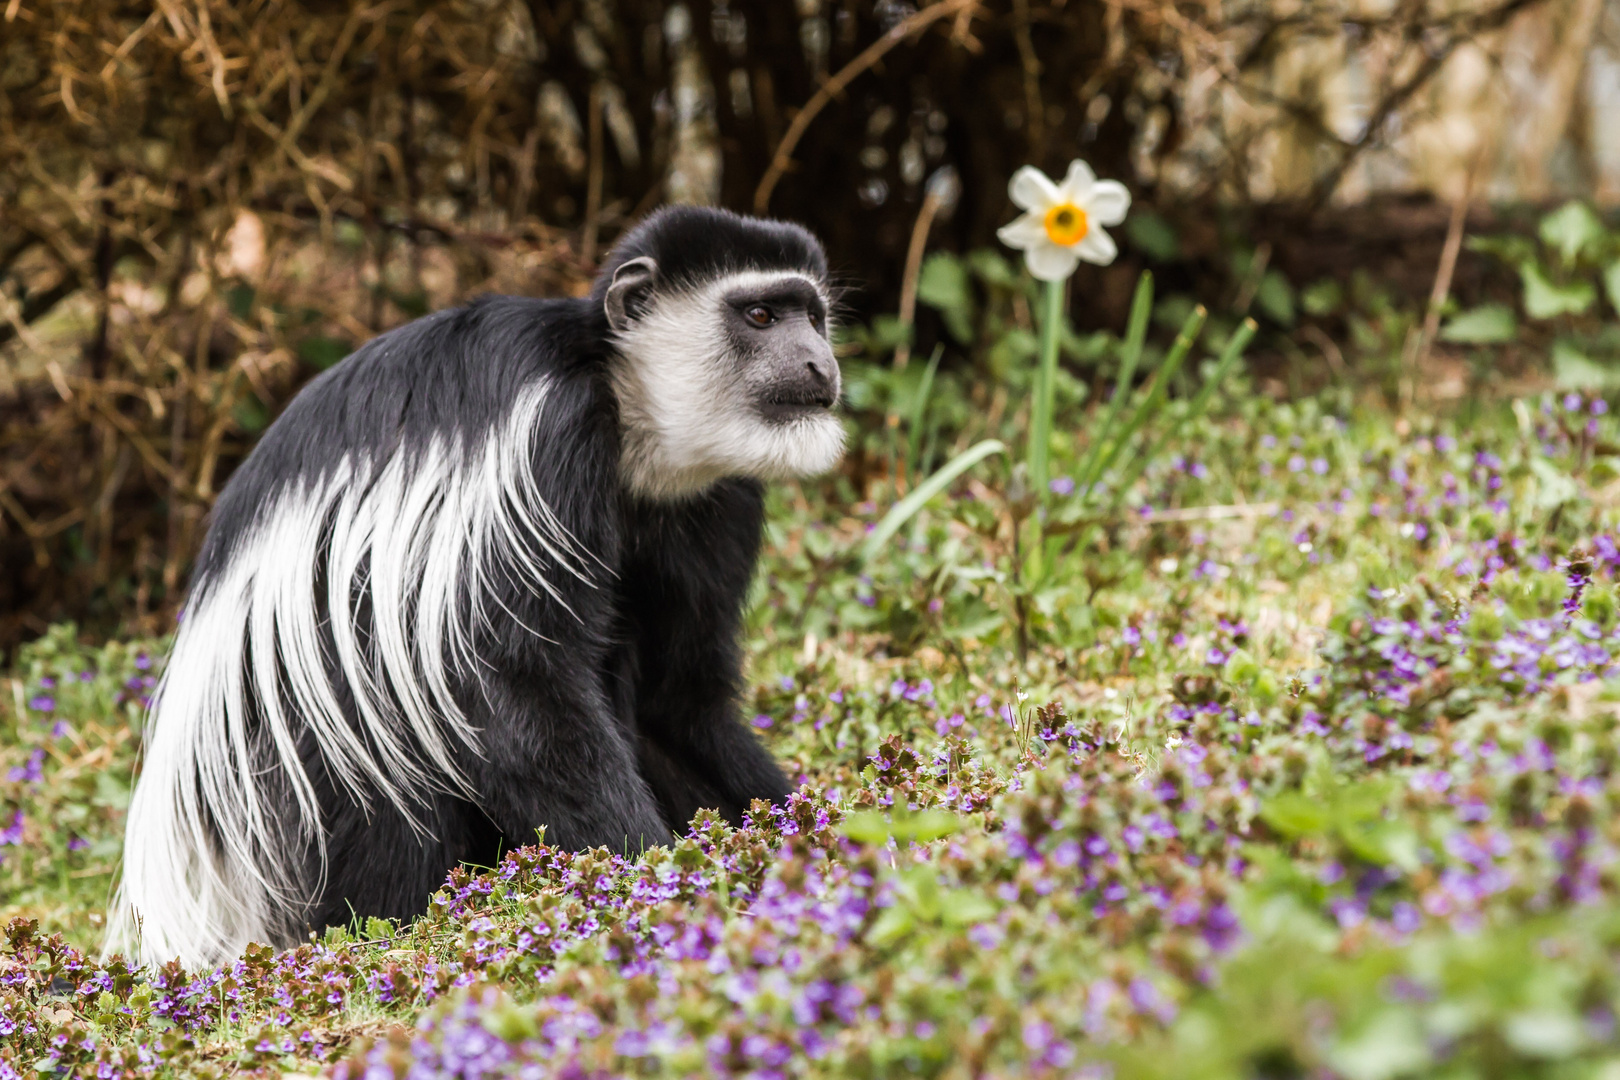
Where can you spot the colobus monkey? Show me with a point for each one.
(485, 575)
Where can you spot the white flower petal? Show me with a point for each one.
(1025, 231)
(1031, 189)
(1097, 247)
(1076, 185)
(1107, 202)
(1049, 262)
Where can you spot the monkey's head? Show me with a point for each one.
(722, 362)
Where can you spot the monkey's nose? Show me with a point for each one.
(823, 373)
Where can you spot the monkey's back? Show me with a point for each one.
(451, 375)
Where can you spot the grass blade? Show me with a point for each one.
(1200, 402)
(1160, 388)
(919, 412)
(1135, 336)
(903, 511)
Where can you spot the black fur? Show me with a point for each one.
(608, 725)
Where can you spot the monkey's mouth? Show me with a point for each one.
(783, 405)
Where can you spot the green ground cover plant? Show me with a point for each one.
(1264, 739)
(1303, 766)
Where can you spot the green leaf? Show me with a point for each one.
(1611, 284)
(962, 907)
(1172, 310)
(1322, 298)
(1512, 248)
(943, 286)
(1554, 487)
(866, 827)
(893, 924)
(1544, 1033)
(250, 415)
(1488, 324)
(1241, 667)
(510, 1021)
(992, 268)
(1574, 370)
(1295, 814)
(1383, 843)
(886, 333)
(322, 352)
(925, 825)
(1275, 298)
(1153, 236)
(871, 827)
(413, 304)
(977, 620)
(1011, 350)
(349, 234)
(919, 411)
(919, 890)
(1545, 300)
(1390, 1045)
(1572, 229)
(239, 300)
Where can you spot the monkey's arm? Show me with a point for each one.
(555, 757)
(696, 750)
(685, 591)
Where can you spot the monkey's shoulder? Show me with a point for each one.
(449, 383)
(453, 374)
(485, 350)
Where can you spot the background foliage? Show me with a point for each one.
(204, 203)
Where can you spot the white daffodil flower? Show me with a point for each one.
(1063, 223)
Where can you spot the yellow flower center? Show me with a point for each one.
(1066, 224)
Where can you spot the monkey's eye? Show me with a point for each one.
(760, 315)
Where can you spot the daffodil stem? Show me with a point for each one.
(1040, 417)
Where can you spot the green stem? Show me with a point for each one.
(1040, 419)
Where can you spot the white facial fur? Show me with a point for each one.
(689, 416)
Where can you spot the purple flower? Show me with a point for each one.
(1147, 999)
(31, 773)
(1061, 486)
(42, 703)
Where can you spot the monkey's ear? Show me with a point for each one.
(632, 283)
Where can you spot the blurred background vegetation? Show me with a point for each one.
(205, 203)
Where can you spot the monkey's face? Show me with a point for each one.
(732, 377)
